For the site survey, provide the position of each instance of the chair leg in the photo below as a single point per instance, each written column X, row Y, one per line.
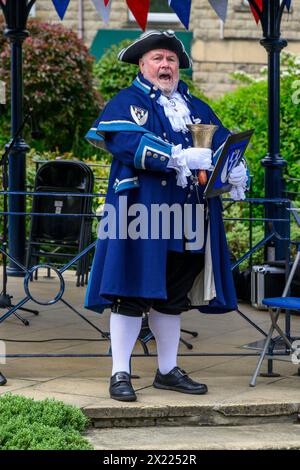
column 261, row 357
column 274, row 317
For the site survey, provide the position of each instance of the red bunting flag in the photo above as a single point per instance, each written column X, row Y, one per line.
column 106, row 2
column 139, row 9
column 259, row 4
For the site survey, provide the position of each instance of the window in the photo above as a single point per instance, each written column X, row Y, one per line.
column 159, row 12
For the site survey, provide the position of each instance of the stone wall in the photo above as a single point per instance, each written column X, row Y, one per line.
column 91, row 19
column 218, row 49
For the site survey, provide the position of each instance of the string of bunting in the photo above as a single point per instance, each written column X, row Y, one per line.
column 182, row 8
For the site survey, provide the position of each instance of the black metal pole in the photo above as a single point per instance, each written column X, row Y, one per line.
column 16, row 13
column 273, row 162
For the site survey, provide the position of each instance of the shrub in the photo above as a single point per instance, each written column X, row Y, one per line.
column 27, row 424
column 246, row 108
column 58, row 84
column 111, row 74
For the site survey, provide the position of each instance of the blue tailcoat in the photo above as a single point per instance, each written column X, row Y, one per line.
column 134, row 128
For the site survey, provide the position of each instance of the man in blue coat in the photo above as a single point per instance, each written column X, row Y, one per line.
column 161, row 246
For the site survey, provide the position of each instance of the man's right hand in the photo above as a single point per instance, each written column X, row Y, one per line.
column 185, row 160
column 198, row 158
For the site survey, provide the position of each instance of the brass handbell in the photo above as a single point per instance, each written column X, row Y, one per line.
column 202, row 135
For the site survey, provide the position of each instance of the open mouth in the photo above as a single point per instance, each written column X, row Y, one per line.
column 165, row 76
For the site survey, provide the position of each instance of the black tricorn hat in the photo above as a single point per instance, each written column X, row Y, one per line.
column 155, row 40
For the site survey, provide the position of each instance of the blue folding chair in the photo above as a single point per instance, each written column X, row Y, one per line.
column 278, row 303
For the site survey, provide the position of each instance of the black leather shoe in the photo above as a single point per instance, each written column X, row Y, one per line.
column 120, row 387
column 2, row 379
column 178, row 380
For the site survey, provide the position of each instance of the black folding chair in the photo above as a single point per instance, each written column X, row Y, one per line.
column 53, row 235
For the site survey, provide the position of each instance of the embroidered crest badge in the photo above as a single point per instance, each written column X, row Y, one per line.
column 139, row 115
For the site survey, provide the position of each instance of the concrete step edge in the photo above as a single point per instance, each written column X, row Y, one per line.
column 192, row 415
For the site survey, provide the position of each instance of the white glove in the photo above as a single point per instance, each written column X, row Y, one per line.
column 238, row 176
column 177, row 161
column 238, row 179
column 197, row 158
column 237, row 193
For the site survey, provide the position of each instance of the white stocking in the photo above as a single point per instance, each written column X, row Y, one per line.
column 166, row 330
column 124, row 331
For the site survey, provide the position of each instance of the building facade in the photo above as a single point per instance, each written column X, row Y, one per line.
column 217, row 49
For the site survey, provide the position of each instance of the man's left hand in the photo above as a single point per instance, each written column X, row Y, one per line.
column 238, row 179
column 238, row 176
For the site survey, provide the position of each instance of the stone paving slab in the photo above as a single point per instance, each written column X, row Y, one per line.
column 260, row 437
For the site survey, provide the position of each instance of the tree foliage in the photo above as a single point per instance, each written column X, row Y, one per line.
column 58, row 84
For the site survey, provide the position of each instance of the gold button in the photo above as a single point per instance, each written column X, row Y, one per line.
column 164, row 183
column 149, row 153
column 155, row 155
column 162, row 159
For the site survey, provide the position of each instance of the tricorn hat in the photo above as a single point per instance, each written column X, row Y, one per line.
column 155, row 40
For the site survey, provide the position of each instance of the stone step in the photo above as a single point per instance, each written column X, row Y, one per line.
column 141, row 415
column 252, row 437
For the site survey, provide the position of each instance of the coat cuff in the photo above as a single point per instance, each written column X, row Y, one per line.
column 152, row 153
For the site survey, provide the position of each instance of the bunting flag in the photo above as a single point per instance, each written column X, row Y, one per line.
column 139, row 9
column 220, row 7
column 287, row 4
column 182, row 8
column 259, row 5
column 103, row 9
column 61, row 7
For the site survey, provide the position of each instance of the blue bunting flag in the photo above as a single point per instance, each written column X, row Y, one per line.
column 61, row 7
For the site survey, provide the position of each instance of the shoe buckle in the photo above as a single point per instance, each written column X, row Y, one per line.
column 121, row 376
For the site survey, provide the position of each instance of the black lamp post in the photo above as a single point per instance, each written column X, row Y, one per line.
column 273, row 163
column 16, row 14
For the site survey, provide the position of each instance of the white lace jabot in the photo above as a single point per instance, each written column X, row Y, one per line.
column 176, row 111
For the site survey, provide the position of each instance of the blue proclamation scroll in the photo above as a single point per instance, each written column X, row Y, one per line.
column 225, row 159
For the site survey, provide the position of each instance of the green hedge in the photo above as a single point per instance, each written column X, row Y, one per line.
column 49, row 424
column 246, row 108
